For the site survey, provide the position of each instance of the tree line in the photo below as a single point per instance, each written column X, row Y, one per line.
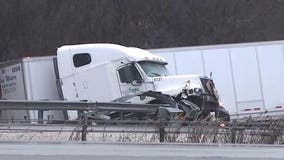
column 38, row 27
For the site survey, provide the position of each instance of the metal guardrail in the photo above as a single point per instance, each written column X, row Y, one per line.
column 84, row 106
column 272, row 129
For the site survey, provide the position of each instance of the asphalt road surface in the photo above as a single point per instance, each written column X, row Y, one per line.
column 123, row 151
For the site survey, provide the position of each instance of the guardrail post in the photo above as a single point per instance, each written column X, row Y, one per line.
column 84, row 128
column 241, row 134
column 234, row 132
column 162, row 117
column 274, row 135
column 40, row 116
column 162, row 132
column 233, row 135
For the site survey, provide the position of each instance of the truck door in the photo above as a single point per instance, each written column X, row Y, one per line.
column 130, row 80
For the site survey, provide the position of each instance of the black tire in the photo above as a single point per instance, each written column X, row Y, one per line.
column 222, row 114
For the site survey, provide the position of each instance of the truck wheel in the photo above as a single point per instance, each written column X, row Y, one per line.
column 221, row 114
column 191, row 110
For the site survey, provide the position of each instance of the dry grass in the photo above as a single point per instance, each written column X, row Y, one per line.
column 248, row 132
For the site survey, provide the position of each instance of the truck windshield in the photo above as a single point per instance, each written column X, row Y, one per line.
column 154, row 69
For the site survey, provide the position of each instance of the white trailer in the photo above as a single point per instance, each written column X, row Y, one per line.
column 30, row 78
column 248, row 76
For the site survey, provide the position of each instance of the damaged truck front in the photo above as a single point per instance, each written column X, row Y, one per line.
column 105, row 72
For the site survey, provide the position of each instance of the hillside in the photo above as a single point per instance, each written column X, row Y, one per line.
column 38, row 27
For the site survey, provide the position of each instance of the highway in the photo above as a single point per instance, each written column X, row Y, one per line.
column 130, row 151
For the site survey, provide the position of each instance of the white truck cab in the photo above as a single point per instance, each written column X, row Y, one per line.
column 103, row 72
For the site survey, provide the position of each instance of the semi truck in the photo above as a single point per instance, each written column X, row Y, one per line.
column 249, row 76
column 104, row 73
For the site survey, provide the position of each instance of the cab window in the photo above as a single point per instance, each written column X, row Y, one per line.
column 81, row 59
column 129, row 74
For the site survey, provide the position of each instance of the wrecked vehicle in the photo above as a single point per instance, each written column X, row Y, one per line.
column 195, row 103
